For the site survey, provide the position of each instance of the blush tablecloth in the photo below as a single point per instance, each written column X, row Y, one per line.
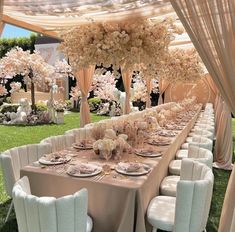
column 116, row 203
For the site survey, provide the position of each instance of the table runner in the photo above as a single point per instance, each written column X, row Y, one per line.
column 116, row 203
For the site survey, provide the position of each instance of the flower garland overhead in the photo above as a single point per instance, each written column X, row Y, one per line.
column 182, row 65
column 123, row 43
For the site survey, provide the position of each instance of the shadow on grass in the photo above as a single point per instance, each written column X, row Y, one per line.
column 11, row 224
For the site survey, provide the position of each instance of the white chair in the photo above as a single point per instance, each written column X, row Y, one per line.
column 199, row 154
column 199, row 141
column 199, row 132
column 16, row 158
column 59, row 142
column 48, row 214
column 204, row 127
column 188, row 211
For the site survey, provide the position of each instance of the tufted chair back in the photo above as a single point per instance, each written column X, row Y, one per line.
column 193, row 198
column 205, row 127
column 201, row 141
column 201, row 132
column 59, row 142
column 16, row 158
column 201, row 155
column 48, row 214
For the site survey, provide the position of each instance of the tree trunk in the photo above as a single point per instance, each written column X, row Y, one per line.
column 33, row 106
column 33, row 97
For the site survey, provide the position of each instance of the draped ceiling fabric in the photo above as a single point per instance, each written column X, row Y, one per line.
column 127, row 77
column 50, row 17
column 211, row 26
column 84, row 77
column 47, row 13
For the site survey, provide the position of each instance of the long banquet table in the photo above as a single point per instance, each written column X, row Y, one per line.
column 116, row 203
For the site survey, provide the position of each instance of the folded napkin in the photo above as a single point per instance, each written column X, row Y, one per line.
column 55, row 157
column 130, row 167
column 82, row 169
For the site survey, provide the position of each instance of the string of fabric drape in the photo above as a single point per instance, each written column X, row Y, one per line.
column 127, row 77
column 211, row 26
column 149, row 89
column 84, row 78
column 162, row 85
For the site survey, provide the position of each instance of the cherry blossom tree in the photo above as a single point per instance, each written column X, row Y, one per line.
column 33, row 68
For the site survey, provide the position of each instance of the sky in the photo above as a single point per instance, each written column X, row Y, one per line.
column 12, row 31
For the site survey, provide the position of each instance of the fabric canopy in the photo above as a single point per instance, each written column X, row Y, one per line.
column 52, row 16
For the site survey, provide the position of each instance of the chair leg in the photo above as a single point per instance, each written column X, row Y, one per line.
column 9, row 211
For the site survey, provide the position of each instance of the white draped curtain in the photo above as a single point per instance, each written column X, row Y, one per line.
column 211, row 27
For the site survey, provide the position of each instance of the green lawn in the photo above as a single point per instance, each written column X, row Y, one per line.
column 11, row 136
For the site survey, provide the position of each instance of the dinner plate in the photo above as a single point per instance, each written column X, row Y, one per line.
column 145, row 170
column 146, row 153
column 82, row 147
column 42, row 160
column 166, row 133
column 159, row 143
column 98, row 170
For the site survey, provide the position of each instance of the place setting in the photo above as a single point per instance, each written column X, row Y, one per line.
column 55, row 158
column 132, row 168
column 159, row 141
column 83, row 145
column 147, row 153
column 84, row 170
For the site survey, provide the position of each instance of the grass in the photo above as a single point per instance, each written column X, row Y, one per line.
column 11, row 136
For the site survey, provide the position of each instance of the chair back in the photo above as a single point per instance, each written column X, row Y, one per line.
column 16, row 158
column 48, row 214
column 193, row 197
column 59, row 142
column 201, row 155
column 201, row 141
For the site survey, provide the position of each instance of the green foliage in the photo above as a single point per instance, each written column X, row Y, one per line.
column 94, row 104
column 95, row 100
column 41, row 107
column 8, row 100
column 8, row 108
column 68, row 104
column 26, row 43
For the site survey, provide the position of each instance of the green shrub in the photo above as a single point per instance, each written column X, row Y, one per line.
column 8, row 100
column 95, row 100
column 41, row 107
column 26, row 43
column 68, row 104
column 8, row 108
column 94, row 104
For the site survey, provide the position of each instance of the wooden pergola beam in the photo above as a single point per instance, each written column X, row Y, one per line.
column 28, row 26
